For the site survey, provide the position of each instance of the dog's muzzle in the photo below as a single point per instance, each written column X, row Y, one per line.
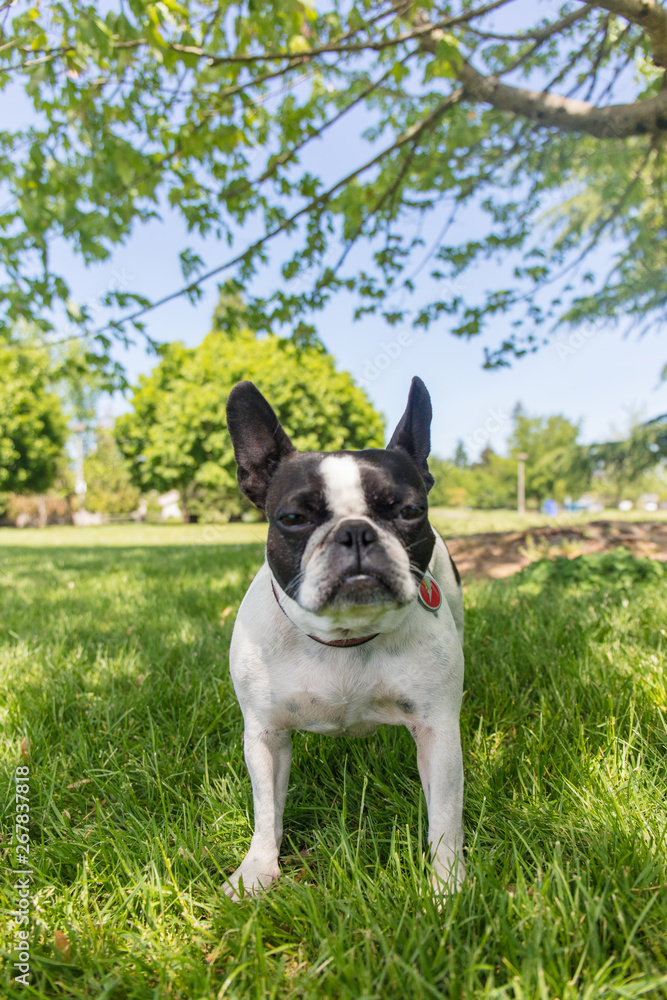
column 358, row 566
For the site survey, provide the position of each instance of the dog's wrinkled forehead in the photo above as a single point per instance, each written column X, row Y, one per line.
column 344, row 484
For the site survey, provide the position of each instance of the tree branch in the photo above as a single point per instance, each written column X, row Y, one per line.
column 409, row 136
column 650, row 16
column 567, row 114
column 315, row 133
column 616, row 121
column 338, row 49
column 335, row 48
column 389, row 192
column 597, row 61
column 539, row 34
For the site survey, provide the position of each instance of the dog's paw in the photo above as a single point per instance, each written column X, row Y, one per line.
column 447, row 878
column 250, row 878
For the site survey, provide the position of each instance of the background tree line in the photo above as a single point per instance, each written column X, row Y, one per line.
column 558, row 466
column 175, row 436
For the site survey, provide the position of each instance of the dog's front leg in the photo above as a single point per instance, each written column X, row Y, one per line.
column 268, row 754
column 441, row 771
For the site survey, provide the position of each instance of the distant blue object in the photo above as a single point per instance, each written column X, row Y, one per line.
column 550, row 507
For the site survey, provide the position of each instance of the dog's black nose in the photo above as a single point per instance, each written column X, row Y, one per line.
column 356, row 534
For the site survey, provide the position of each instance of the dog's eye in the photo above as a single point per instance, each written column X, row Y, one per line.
column 411, row 512
column 293, row 520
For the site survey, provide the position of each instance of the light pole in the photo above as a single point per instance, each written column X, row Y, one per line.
column 521, row 482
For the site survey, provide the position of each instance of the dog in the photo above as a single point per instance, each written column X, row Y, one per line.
column 355, row 619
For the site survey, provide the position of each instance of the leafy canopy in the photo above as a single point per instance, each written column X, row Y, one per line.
column 176, row 437
column 211, row 107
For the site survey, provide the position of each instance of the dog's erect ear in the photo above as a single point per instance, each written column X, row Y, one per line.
column 413, row 433
column 259, row 441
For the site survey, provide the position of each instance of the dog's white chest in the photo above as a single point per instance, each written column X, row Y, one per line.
column 286, row 680
column 339, row 709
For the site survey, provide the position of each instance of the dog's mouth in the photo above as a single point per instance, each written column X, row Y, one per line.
column 362, row 588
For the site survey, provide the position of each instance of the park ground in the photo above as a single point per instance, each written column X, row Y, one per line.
column 116, row 696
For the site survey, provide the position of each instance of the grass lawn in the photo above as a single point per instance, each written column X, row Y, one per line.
column 113, row 655
column 448, row 521
column 452, row 521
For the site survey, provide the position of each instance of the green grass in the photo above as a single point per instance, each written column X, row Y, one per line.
column 114, row 663
column 453, row 521
column 449, row 521
column 135, row 534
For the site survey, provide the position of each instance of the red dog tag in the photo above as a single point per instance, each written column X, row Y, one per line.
column 429, row 593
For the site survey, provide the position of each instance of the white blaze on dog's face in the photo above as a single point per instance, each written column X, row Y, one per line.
column 353, row 578
column 348, row 532
column 349, row 538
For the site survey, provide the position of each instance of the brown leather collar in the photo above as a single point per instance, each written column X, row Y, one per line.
column 335, row 642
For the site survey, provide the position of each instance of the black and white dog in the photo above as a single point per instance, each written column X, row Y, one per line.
column 354, row 620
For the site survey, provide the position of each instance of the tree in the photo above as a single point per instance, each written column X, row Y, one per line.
column 110, row 488
column 452, row 484
column 210, row 108
column 495, row 477
column 33, row 429
column 557, row 465
column 460, row 455
column 621, row 464
column 487, row 484
column 176, row 437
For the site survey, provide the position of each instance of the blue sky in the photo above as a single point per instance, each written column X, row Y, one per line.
column 600, row 379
